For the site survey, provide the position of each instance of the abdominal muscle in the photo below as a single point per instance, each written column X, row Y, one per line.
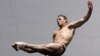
column 63, row 36
column 62, row 40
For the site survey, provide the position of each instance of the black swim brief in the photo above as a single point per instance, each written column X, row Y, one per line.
column 60, row 51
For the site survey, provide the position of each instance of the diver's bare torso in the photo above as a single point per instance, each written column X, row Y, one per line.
column 63, row 35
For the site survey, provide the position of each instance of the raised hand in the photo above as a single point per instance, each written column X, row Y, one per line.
column 90, row 4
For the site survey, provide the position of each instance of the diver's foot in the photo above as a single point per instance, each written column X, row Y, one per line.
column 17, row 45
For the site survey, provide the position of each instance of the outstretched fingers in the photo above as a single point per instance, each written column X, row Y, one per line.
column 90, row 4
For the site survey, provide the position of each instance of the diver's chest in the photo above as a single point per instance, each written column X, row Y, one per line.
column 66, row 32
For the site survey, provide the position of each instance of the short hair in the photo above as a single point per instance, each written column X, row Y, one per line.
column 63, row 16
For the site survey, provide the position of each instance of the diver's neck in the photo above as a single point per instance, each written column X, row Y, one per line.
column 62, row 26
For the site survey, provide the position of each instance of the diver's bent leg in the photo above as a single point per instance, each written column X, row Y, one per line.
column 43, row 48
column 22, row 46
column 47, row 49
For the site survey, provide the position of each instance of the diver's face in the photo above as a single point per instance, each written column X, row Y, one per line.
column 61, row 20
